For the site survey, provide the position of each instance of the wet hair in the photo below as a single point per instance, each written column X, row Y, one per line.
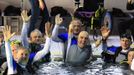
column 125, row 35
column 35, row 31
column 18, row 42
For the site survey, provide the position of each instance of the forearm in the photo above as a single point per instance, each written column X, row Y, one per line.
column 9, row 57
column 132, row 65
column 44, row 51
column 55, row 32
column 104, row 44
column 24, row 34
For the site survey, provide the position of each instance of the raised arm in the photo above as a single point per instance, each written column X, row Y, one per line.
column 40, row 54
column 105, row 34
column 130, row 5
column 58, row 21
column 41, row 4
column 25, row 27
column 9, row 56
column 132, row 65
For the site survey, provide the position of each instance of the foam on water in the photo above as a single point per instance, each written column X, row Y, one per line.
column 97, row 67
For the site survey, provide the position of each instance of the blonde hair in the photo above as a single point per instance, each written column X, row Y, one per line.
column 23, row 48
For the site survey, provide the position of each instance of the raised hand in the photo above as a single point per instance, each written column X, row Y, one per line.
column 48, row 29
column 41, row 5
column 70, row 31
column 58, row 19
column 129, row 1
column 24, row 16
column 7, row 33
column 105, row 31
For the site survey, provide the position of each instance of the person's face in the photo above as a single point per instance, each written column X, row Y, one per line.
column 83, row 39
column 125, row 43
column 35, row 38
column 130, row 56
column 14, row 49
column 76, row 27
column 22, row 56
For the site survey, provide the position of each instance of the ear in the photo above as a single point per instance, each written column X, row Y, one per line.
column 29, row 40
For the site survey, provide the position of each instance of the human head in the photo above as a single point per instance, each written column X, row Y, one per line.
column 35, row 36
column 14, row 46
column 130, row 56
column 22, row 55
column 83, row 39
column 125, row 41
column 76, row 26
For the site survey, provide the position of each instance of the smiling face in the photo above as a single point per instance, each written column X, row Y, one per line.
column 35, row 36
column 76, row 26
column 15, row 44
column 83, row 39
column 22, row 55
column 14, row 48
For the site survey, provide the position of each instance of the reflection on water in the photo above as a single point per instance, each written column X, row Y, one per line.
column 97, row 67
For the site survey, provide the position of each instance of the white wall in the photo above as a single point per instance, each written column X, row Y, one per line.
column 67, row 4
column 121, row 4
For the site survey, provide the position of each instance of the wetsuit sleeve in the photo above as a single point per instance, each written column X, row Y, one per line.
column 40, row 54
column 24, row 35
column 55, row 32
column 9, row 57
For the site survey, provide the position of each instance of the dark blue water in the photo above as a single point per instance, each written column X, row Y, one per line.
column 97, row 67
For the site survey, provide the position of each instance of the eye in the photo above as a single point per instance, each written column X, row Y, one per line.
column 26, row 54
column 21, row 54
column 13, row 50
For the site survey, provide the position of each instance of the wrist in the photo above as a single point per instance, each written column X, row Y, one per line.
column 104, row 39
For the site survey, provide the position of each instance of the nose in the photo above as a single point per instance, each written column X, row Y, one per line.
column 84, row 40
column 24, row 55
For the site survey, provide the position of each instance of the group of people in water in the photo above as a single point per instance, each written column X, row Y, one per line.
column 73, row 48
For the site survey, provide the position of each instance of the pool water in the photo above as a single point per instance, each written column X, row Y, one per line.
column 97, row 67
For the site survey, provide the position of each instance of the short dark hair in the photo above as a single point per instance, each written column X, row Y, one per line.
column 125, row 35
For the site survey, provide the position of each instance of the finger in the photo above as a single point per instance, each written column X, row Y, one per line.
column 29, row 17
column 6, row 27
column 61, row 19
column 3, row 31
column 51, row 26
column 9, row 28
column 12, row 34
column 57, row 16
column 25, row 11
